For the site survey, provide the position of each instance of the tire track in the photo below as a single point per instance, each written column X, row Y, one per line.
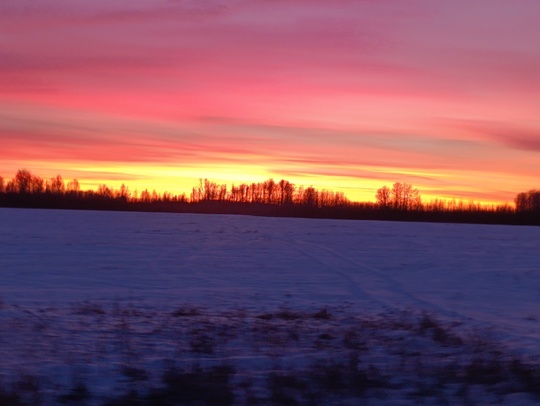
column 366, row 282
column 353, row 287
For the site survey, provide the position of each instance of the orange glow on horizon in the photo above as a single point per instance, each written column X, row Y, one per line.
column 178, row 180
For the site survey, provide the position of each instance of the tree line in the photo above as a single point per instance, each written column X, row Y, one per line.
column 528, row 201
column 401, row 201
column 269, row 192
column 282, row 193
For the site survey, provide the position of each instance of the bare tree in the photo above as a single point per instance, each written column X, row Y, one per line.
column 243, row 191
column 397, row 196
column 222, row 194
column 145, row 196
column 286, row 192
column 123, row 192
column 299, row 195
column 310, row 197
column 269, row 188
column 405, row 197
column 329, row 198
column 256, row 193
column 521, row 202
column 383, row 197
column 105, row 191
column 411, row 198
column 38, row 184
column 529, row 201
column 23, row 181
column 73, row 187
column 402, row 196
column 56, row 185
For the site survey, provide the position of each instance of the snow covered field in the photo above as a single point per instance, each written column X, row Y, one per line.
column 97, row 305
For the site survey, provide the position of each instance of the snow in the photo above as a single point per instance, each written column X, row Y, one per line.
column 71, row 278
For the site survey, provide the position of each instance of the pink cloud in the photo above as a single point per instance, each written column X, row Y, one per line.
column 520, row 137
column 299, row 86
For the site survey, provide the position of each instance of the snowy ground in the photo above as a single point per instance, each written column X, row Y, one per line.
column 95, row 305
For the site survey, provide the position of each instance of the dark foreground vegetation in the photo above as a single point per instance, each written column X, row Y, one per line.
column 136, row 355
column 401, row 202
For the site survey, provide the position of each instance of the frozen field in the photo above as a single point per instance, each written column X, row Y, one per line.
column 96, row 304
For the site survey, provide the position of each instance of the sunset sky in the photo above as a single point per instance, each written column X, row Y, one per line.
column 346, row 95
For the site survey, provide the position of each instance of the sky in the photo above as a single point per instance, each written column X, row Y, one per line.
column 343, row 95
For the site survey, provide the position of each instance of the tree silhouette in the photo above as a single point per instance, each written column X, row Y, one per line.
column 402, row 196
column 402, row 201
column 73, row 187
column 311, row 197
column 145, row 196
column 528, row 201
column 23, row 181
column 286, row 192
column 104, row 191
column 123, row 193
column 55, row 185
column 405, row 197
column 269, row 188
column 383, row 197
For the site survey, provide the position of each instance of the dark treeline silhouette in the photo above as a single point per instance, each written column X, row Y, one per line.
column 401, row 202
column 269, row 192
column 528, row 202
